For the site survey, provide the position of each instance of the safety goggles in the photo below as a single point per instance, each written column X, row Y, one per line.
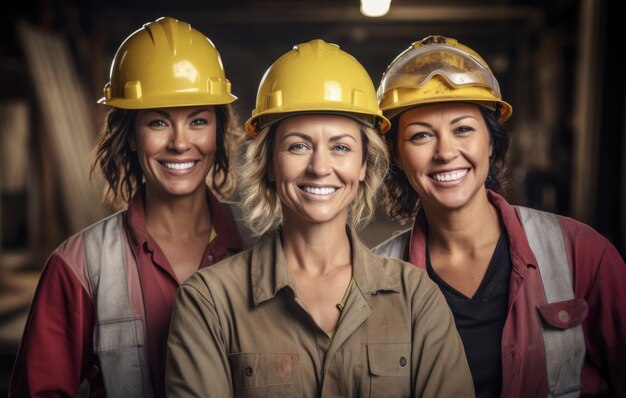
column 416, row 66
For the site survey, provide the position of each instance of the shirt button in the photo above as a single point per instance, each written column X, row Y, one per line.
column 248, row 371
column 402, row 361
column 209, row 257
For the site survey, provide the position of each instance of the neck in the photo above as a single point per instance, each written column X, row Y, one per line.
column 178, row 216
column 463, row 230
column 315, row 248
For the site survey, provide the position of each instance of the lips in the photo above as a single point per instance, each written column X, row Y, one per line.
column 449, row 176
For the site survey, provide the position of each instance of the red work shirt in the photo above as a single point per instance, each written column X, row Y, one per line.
column 599, row 277
column 56, row 351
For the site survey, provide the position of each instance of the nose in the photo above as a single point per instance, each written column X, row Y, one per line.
column 446, row 149
column 179, row 141
column 319, row 163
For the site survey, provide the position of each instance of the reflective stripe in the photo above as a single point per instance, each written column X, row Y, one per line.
column 565, row 349
column 394, row 247
column 118, row 334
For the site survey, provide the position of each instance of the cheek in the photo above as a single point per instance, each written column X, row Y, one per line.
column 410, row 160
column 208, row 143
column 148, row 144
column 283, row 168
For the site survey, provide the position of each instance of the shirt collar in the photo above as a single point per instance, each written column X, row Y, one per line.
column 518, row 244
column 269, row 271
column 224, row 223
column 221, row 219
column 136, row 218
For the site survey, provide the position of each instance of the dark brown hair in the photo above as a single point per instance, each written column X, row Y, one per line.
column 120, row 167
column 400, row 199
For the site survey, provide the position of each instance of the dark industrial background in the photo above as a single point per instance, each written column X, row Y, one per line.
column 557, row 61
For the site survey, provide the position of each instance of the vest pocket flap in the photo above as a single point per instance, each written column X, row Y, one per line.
column 564, row 314
column 389, row 359
column 251, row 370
column 115, row 334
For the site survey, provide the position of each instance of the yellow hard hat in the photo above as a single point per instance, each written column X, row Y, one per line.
column 166, row 63
column 438, row 69
column 316, row 77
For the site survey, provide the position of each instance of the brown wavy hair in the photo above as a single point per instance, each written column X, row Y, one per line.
column 119, row 165
column 400, row 199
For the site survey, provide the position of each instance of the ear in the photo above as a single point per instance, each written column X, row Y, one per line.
column 490, row 148
column 363, row 171
column 132, row 144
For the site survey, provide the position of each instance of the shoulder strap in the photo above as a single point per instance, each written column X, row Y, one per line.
column 118, row 334
column 565, row 348
column 394, row 247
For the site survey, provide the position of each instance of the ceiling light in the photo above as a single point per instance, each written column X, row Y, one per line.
column 375, row 8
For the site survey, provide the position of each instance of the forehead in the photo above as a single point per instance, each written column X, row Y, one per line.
column 319, row 123
column 179, row 111
column 442, row 110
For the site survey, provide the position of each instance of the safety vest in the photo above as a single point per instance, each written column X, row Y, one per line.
column 564, row 348
column 119, row 334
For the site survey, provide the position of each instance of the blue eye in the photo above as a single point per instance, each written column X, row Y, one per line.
column 298, row 147
column 342, row 148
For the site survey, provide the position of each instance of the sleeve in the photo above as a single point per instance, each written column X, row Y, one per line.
column 197, row 363
column 438, row 354
column 605, row 327
column 56, row 349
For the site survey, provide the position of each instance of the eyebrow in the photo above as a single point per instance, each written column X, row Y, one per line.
column 167, row 115
column 461, row 118
column 455, row 120
column 308, row 138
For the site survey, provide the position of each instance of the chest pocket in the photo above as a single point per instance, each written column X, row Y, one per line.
column 563, row 314
column 264, row 375
column 390, row 369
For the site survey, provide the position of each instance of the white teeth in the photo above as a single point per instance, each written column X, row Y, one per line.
column 178, row 166
column 319, row 191
column 453, row 176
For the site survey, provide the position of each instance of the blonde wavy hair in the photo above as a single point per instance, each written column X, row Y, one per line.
column 261, row 207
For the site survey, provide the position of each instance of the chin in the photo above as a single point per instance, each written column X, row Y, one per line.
column 183, row 190
column 454, row 201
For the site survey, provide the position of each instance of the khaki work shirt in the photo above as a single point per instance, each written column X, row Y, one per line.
column 239, row 330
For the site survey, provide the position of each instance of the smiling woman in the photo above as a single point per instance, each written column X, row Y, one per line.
column 176, row 148
column 318, row 167
column 309, row 311
column 102, row 307
column 537, row 298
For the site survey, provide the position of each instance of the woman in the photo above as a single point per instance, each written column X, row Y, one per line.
column 102, row 308
column 531, row 292
column 309, row 311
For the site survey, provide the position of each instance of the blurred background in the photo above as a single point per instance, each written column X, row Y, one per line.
column 558, row 63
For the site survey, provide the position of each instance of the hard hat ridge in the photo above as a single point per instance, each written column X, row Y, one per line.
column 166, row 63
column 316, row 77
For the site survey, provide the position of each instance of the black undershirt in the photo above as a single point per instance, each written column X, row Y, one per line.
column 480, row 319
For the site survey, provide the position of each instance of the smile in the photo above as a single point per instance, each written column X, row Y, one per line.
column 319, row 190
column 178, row 166
column 449, row 176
